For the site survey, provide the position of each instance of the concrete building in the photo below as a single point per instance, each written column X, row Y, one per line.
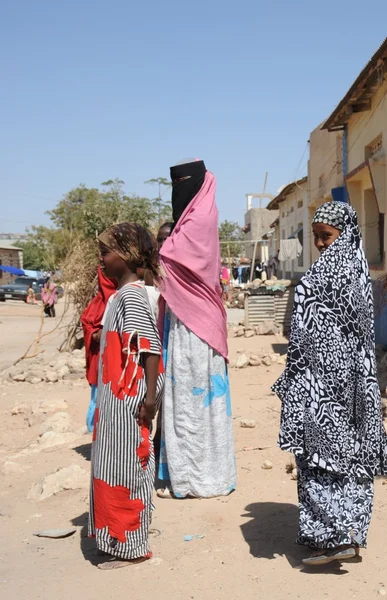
column 11, row 257
column 361, row 116
column 325, row 173
column 257, row 223
column 292, row 204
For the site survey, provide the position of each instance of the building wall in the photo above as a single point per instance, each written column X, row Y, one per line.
column 325, row 171
column 367, row 176
column 259, row 220
column 293, row 214
column 11, row 257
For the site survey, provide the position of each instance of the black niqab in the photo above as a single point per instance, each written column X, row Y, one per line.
column 185, row 190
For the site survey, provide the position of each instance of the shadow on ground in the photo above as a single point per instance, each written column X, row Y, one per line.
column 280, row 348
column 84, row 450
column 271, row 531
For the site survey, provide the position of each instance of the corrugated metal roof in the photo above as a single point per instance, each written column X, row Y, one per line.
column 9, row 245
column 273, row 205
column 360, row 90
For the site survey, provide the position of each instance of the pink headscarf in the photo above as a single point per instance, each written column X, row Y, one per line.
column 190, row 263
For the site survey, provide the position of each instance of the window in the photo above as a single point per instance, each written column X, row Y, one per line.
column 374, row 147
column 300, row 204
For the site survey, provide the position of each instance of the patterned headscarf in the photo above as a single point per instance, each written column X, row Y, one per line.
column 133, row 243
column 331, row 213
column 331, row 405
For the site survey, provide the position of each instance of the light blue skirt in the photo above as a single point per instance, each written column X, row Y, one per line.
column 91, row 409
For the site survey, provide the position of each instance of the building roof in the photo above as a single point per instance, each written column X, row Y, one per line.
column 9, row 245
column 285, row 192
column 358, row 97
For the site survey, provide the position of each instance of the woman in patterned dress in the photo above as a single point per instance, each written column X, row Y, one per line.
column 197, row 449
column 130, row 384
column 331, row 407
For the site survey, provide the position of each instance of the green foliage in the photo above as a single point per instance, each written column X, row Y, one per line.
column 82, row 214
column 230, row 232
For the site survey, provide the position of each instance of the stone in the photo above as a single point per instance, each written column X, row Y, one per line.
column 51, row 376
column 241, row 351
column 239, row 331
column 242, row 361
column 53, row 438
column 67, row 478
column 78, row 353
column 19, row 377
column 20, row 409
column 50, row 406
column 63, row 371
column 11, row 468
column 14, row 370
column 267, row 465
column 275, row 357
column 268, row 328
column 38, row 373
column 249, row 333
column 33, row 380
column 255, row 361
column 247, row 423
column 282, row 360
column 294, row 474
column 59, row 422
column 266, row 361
column 232, row 364
column 382, row 592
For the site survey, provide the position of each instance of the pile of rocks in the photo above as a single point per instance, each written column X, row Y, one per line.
column 260, row 358
column 67, row 366
column 265, row 328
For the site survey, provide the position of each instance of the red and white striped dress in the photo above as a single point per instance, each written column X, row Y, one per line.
column 123, row 464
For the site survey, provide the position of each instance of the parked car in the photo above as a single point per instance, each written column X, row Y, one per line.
column 18, row 290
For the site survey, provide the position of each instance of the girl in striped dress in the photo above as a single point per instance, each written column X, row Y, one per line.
column 131, row 379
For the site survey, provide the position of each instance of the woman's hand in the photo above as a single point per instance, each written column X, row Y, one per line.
column 97, row 336
column 147, row 413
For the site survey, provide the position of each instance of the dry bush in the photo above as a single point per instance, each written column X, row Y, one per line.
column 79, row 276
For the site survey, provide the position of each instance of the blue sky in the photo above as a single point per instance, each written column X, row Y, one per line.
column 92, row 90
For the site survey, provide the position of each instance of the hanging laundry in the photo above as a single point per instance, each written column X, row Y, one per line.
column 290, row 249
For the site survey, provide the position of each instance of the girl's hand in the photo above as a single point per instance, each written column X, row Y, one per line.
column 97, row 336
column 147, row 413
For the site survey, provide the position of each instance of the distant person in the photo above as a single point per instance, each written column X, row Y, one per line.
column 49, row 297
column 164, row 233
column 130, row 385
column 31, row 298
column 331, row 417
column 197, row 450
column 91, row 320
column 225, row 281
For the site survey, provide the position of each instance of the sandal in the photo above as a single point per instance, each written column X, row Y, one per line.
column 327, row 556
column 164, row 493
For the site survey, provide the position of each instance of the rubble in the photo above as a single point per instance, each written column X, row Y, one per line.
column 68, row 478
column 247, row 423
column 67, row 365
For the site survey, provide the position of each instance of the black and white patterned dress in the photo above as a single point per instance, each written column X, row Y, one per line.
column 331, row 407
column 123, row 464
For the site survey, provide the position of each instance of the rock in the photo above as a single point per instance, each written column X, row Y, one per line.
column 382, row 592
column 275, row 357
column 33, row 380
column 232, row 364
column 242, row 361
column 68, row 478
column 78, row 353
column 267, row 465
column 282, row 360
column 59, row 423
column 249, row 333
column 51, row 376
column 247, row 423
column 15, row 370
column 50, row 406
column 255, row 361
column 239, row 331
column 52, row 438
column 20, row 409
column 77, row 366
column 268, row 328
column 38, row 373
column 294, row 474
column 11, row 468
column 63, row 371
column 241, row 351
column 266, row 361
column 19, row 377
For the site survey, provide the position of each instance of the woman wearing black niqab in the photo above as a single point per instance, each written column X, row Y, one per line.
column 187, row 180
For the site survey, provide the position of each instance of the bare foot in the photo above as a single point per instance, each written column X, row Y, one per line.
column 116, row 563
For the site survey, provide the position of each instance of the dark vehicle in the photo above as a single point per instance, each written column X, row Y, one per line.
column 18, row 290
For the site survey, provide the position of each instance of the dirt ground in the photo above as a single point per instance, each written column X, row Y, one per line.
column 248, row 548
